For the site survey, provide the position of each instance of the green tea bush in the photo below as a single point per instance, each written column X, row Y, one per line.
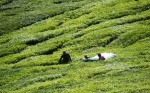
column 7, row 49
column 30, row 17
column 5, row 2
column 35, row 32
column 135, row 35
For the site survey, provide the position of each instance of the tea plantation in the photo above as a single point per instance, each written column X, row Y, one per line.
column 33, row 34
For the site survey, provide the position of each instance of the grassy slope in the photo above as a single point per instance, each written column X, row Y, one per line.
column 34, row 34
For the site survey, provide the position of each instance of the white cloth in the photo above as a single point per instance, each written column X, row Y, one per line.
column 105, row 55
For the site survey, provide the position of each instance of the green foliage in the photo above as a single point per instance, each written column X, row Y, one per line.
column 28, row 13
column 33, row 34
column 9, row 48
column 132, row 36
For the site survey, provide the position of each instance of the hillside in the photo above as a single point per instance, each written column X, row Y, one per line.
column 33, row 34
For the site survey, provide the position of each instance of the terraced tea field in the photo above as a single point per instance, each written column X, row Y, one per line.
column 33, row 34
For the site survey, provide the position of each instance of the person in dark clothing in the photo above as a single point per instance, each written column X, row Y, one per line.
column 65, row 58
column 86, row 58
column 100, row 56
